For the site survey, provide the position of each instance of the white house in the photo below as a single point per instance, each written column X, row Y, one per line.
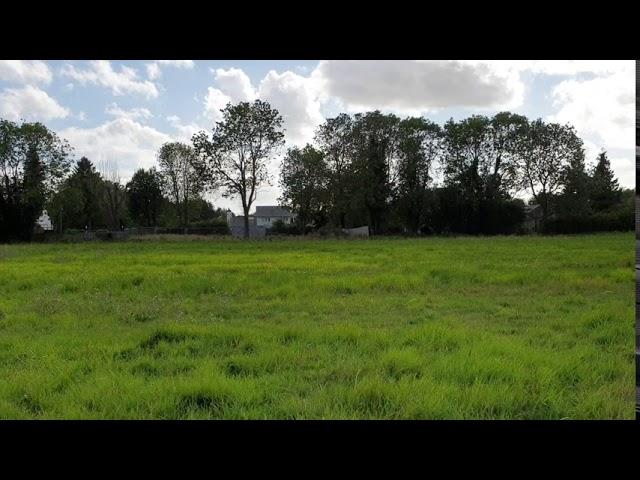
column 263, row 218
column 44, row 221
column 266, row 216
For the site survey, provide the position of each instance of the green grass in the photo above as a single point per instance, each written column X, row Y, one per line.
column 504, row 327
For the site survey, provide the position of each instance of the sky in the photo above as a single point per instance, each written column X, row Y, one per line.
column 121, row 112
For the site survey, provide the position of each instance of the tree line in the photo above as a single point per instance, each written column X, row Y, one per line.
column 410, row 175
column 396, row 175
column 37, row 174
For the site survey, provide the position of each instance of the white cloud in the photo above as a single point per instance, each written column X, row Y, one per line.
column 100, row 72
column 624, row 168
column 30, row 103
column 135, row 113
column 25, row 71
column 154, row 72
column 297, row 100
column 184, row 131
column 188, row 64
column 235, row 84
column 214, row 102
column 410, row 86
column 571, row 67
column 602, row 108
column 294, row 96
column 121, row 141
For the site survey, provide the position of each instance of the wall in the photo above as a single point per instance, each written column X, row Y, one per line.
column 254, row 231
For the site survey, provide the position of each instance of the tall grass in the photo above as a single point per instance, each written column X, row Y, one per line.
column 522, row 327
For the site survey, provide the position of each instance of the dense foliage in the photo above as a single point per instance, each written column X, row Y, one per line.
column 33, row 161
column 412, row 176
column 395, row 175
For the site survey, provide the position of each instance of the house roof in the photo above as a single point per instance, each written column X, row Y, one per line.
column 272, row 211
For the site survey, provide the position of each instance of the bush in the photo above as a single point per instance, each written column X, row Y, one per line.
column 621, row 219
column 214, row 226
column 450, row 213
column 280, row 228
column 330, row 231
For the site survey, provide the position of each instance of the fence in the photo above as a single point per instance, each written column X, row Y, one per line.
column 93, row 235
column 176, row 231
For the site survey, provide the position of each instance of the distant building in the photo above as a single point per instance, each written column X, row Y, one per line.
column 44, row 222
column 236, row 226
column 266, row 216
column 263, row 219
column 533, row 218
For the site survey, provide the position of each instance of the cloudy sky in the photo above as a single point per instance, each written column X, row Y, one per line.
column 122, row 111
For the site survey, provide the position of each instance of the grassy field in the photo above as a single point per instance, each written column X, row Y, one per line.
column 521, row 327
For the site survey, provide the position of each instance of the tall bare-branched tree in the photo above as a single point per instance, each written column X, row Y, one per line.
column 238, row 153
column 114, row 194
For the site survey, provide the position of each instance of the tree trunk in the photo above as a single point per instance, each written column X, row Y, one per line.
column 246, row 222
column 302, row 222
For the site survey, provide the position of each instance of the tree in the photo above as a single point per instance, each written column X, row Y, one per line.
column 544, row 153
column 183, row 176
column 206, row 215
column 335, row 141
column 419, row 146
column 86, row 179
column 144, row 193
column 34, row 195
column 605, row 190
column 468, row 161
column 66, row 209
column 506, row 131
column 304, row 179
column 374, row 140
column 574, row 199
column 33, row 161
column 238, row 153
column 113, row 196
column 79, row 201
column 480, row 165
